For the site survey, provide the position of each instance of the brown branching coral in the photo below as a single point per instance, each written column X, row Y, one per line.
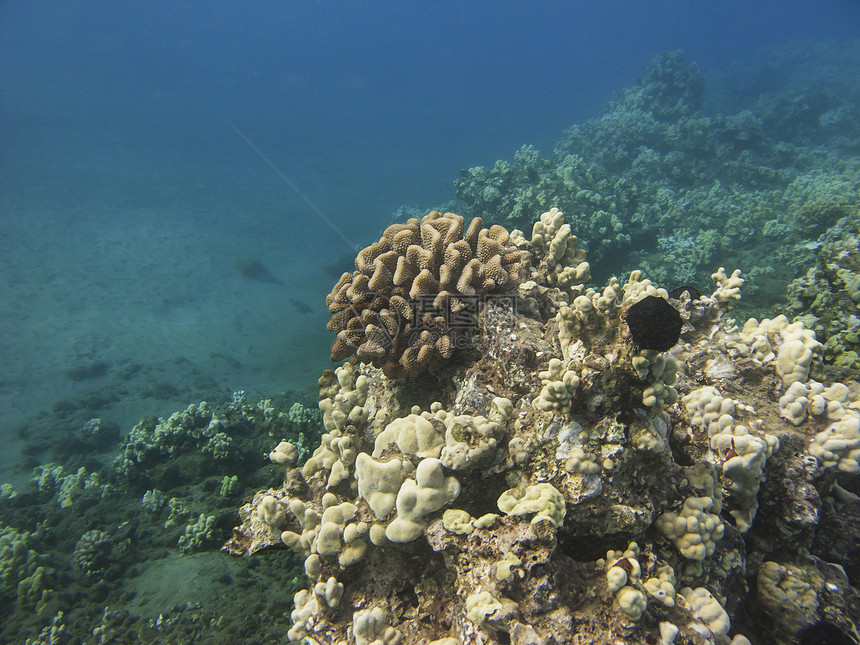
column 413, row 292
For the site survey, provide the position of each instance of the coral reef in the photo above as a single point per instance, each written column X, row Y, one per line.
column 658, row 184
column 98, row 433
column 197, row 534
column 18, row 559
column 471, row 514
column 556, row 253
column 413, row 293
column 827, row 299
column 93, row 551
column 555, row 477
column 70, row 535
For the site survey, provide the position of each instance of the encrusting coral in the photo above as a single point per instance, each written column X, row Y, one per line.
column 480, row 512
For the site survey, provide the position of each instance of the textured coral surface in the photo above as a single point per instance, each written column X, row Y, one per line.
column 564, row 485
column 398, row 310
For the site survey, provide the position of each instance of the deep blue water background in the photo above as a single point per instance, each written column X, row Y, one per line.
column 371, row 104
column 126, row 197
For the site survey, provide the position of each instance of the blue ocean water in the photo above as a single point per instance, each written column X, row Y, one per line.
column 130, row 198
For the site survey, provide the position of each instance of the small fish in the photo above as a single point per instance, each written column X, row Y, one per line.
column 89, row 371
column 253, row 269
column 301, row 307
column 232, row 362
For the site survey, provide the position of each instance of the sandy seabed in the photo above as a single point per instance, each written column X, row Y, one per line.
column 119, row 307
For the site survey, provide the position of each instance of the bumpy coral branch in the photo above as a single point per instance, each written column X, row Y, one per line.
column 417, row 290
